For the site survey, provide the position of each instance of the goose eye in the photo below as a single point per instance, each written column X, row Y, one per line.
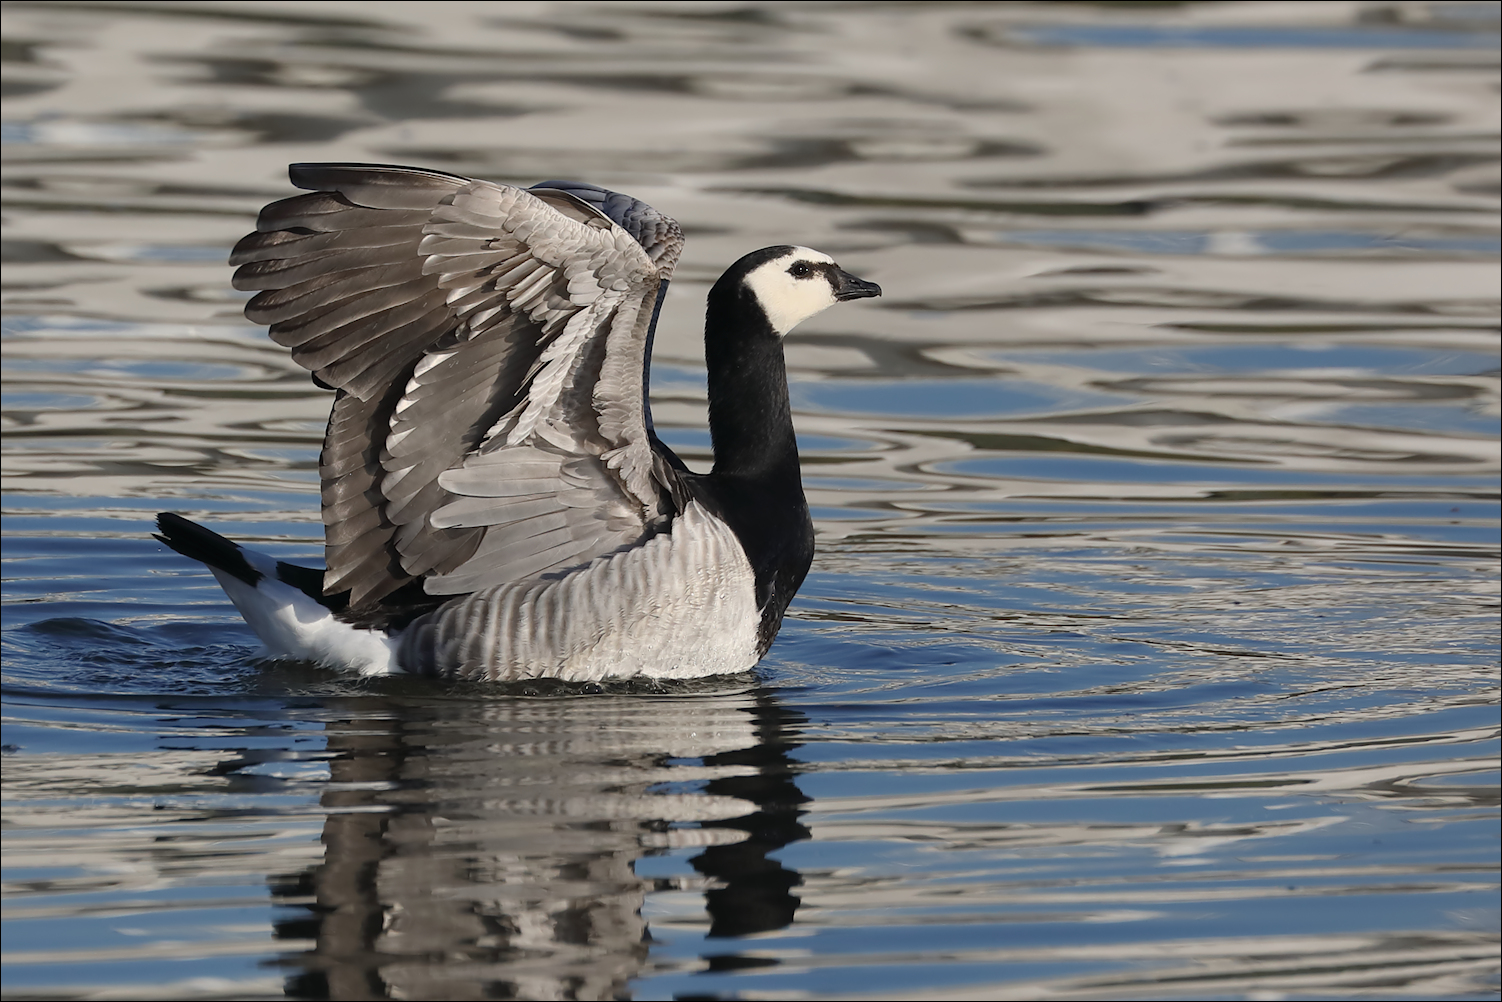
column 800, row 270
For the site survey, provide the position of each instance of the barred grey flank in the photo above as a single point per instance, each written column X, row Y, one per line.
column 680, row 605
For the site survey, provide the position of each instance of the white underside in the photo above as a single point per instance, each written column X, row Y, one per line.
column 681, row 605
column 292, row 626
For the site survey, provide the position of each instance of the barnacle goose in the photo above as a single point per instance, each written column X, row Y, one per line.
column 496, row 504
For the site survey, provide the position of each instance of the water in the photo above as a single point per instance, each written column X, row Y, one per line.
column 1150, row 649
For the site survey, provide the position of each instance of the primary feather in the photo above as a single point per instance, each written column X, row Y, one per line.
column 479, row 336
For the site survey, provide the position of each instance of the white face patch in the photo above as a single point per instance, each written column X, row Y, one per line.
column 793, row 287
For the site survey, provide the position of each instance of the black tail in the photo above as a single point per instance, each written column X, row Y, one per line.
column 208, row 547
column 197, row 543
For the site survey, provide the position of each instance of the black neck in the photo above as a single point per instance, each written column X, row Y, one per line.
column 750, row 420
column 755, row 486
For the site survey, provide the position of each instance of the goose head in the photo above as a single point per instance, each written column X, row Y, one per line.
column 791, row 284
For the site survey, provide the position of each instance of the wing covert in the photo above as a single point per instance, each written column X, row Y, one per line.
column 487, row 344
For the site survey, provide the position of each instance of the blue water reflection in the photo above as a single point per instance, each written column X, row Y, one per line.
column 1150, row 648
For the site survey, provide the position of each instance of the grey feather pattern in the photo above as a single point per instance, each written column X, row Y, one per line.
column 357, row 535
column 680, row 605
column 487, row 344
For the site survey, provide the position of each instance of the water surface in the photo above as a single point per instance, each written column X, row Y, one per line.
column 1150, row 648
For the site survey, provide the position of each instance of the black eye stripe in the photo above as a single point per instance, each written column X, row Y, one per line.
column 808, row 269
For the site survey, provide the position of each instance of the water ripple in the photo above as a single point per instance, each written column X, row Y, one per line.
column 1150, row 648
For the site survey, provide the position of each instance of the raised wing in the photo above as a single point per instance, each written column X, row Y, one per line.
column 487, row 345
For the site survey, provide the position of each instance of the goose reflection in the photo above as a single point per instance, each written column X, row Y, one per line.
column 487, row 849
